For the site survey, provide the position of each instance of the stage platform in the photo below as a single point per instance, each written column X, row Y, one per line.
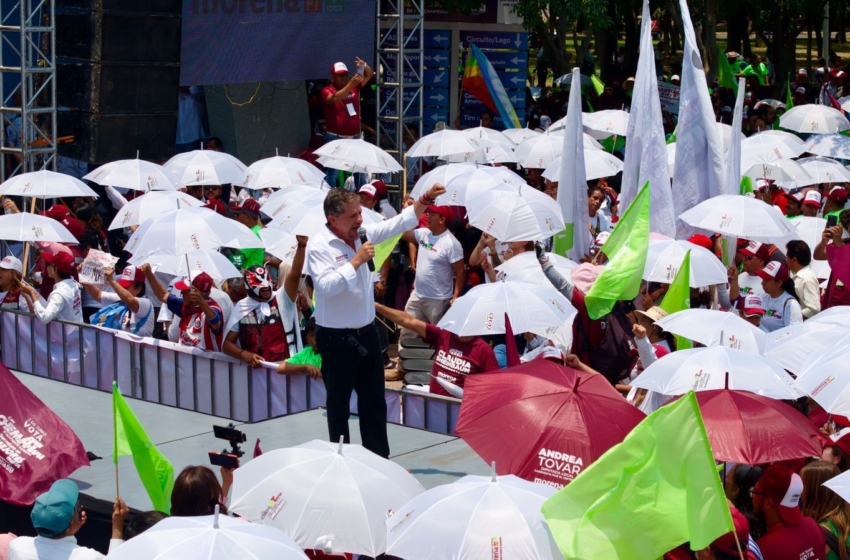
column 185, row 437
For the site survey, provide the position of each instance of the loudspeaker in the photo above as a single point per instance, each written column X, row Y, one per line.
column 118, row 76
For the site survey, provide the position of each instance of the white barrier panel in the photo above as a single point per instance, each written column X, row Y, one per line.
column 430, row 412
column 160, row 371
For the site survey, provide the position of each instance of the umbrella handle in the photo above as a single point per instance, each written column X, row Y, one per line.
column 27, row 244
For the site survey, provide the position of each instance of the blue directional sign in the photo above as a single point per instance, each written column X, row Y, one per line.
column 432, row 116
column 433, row 59
column 513, row 80
column 495, row 40
column 517, row 100
column 470, row 119
column 436, row 98
column 434, row 38
column 436, row 78
column 508, row 60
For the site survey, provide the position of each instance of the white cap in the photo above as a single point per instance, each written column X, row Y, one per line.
column 339, row 68
column 675, row 77
column 795, row 490
column 369, row 190
column 812, row 197
column 12, row 263
column 552, row 353
column 761, row 184
column 601, row 238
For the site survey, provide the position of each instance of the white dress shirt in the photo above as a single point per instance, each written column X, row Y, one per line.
column 807, row 286
column 64, row 303
column 345, row 297
column 42, row 548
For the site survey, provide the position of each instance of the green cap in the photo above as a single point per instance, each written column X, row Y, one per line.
column 54, row 510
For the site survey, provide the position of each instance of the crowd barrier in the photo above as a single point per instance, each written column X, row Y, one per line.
column 165, row 373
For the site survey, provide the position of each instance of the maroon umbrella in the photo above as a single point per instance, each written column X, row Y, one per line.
column 747, row 428
column 542, row 421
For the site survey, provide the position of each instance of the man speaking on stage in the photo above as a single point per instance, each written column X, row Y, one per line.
column 339, row 261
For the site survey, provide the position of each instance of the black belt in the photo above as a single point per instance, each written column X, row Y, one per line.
column 358, row 331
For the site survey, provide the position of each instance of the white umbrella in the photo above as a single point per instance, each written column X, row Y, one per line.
column 150, row 205
column 276, row 172
column 775, row 103
column 519, row 135
column 279, row 243
column 766, row 149
column 529, row 307
column 442, row 175
column 485, row 152
column 810, row 230
column 781, row 171
column 567, row 79
column 477, row 517
column 665, row 256
column 359, row 153
column 597, row 164
column 556, row 131
column 792, row 346
column 610, row 122
column 740, row 216
column 475, row 181
column 308, row 218
column 838, row 315
column 540, row 151
column 318, row 488
column 718, row 367
column 287, row 203
column 790, row 136
column 828, row 145
column 182, row 231
column 514, row 213
column 524, row 262
column 826, row 378
column 207, row 167
column 715, row 328
column 840, row 484
column 488, row 134
column 135, row 174
column 207, row 537
column 814, row 119
column 45, row 184
column 441, row 143
column 825, row 170
column 212, row 262
column 32, row 228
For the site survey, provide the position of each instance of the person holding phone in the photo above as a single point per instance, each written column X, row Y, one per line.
column 341, row 101
column 832, row 241
column 11, row 270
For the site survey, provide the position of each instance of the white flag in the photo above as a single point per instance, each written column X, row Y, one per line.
column 698, row 172
column 574, row 242
column 646, row 150
column 733, row 157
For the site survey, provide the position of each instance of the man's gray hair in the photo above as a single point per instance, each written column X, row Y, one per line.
column 337, row 199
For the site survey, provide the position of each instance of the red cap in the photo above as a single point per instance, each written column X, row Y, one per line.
column 702, row 240
column 130, row 276
column 202, row 281
column 752, row 305
column 249, row 206
column 726, row 543
column 758, row 250
column 64, row 262
column 369, row 190
column 216, row 206
column 57, row 212
column 380, row 187
column 339, row 68
column 73, row 225
column 838, row 194
column 660, row 351
column 443, row 211
column 774, row 271
column 784, row 487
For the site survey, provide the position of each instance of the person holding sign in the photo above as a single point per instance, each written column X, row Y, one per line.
column 342, row 104
column 64, row 301
column 126, row 309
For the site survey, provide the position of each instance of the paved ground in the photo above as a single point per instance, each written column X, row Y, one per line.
column 186, row 437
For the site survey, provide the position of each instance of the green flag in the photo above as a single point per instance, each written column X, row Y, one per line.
column 678, row 297
column 645, row 496
column 384, row 249
column 672, row 136
column 789, row 101
column 725, row 74
column 626, row 249
column 130, row 438
column 746, row 185
column 598, row 85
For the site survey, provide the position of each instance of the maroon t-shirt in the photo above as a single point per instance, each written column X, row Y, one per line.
column 803, row 541
column 454, row 360
column 337, row 118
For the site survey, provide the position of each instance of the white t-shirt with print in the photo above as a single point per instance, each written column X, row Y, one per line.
column 132, row 319
column 434, row 258
column 780, row 312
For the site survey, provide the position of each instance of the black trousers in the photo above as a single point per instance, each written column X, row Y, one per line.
column 351, row 361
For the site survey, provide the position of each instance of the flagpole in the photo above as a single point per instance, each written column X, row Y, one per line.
column 27, row 244
column 115, row 438
column 738, row 544
column 404, row 180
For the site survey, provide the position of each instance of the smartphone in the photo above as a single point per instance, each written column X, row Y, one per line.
column 225, row 460
column 361, row 70
column 831, row 221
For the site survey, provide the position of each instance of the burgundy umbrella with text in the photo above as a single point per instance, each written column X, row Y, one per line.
column 542, row 421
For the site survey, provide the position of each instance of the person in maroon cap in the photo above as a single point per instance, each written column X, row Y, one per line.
column 212, row 194
column 134, row 311
column 200, row 316
column 64, row 301
column 439, row 268
column 790, row 535
column 755, row 256
column 342, row 104
column 781, row 307
column 248, row 214
column 835, row 200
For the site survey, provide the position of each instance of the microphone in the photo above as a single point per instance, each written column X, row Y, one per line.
column 362, row 233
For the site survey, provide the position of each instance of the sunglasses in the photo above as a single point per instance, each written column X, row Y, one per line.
column 754, row 493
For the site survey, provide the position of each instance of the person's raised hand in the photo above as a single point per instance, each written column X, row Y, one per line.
column 227, row 475
column 10, row 207
column 834, row 233
column 639, row 331
column 109, row 273
column 119, row 514
column 572, row 361
column 356, row 80
column 144, row 268
column 436, row 190
column 365, row 253
column 313, row 371
column 195, row 296
column 302, row 240
column 489, row 240
column 732, row 272
column 380, row 289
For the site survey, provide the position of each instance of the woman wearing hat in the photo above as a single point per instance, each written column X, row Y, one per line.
column 781, row 307
column 64, row 301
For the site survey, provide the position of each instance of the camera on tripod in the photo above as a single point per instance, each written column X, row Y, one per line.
column 228, row 458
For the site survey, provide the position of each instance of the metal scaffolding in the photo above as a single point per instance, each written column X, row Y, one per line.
column 27, row 86
column 400, row 40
